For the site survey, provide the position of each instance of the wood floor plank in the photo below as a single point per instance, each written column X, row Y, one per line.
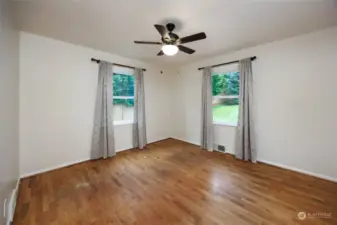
column 173, row 182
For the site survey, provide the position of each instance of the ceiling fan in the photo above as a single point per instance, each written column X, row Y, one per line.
column 171, row 43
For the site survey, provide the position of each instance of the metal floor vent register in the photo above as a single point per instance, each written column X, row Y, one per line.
column 219, row 148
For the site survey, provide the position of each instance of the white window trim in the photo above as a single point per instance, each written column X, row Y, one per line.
column 226, row 96
column 123, row 97
column 122, row 122
column 123, row 70
column 222, row 123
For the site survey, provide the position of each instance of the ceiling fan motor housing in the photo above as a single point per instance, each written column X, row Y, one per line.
column 172, row 39
column 170, row 27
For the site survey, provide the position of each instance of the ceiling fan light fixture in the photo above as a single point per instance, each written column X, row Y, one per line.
column 171, row 43
column 170, row 49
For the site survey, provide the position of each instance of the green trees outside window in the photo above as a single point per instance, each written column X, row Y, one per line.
column 123, row 97
column 225, row 90
column 123, row 86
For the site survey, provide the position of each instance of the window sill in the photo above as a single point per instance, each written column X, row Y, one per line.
column 122, row 122
column 225, row 124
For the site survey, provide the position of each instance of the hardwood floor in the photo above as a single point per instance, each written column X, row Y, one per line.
column 173, row 183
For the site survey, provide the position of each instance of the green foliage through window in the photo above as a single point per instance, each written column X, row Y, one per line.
column 225, row 91
column 225, row 83
column 123, row 86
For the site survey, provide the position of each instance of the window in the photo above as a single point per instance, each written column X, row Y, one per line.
column 123, row 98
column 225, row 90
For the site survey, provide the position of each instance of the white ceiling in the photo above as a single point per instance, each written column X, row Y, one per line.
column 113, row 25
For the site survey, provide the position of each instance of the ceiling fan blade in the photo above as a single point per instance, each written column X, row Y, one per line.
column 194, row 37
column 162, row 31
column 160, row 53
column 185, row 49
column 148, row 42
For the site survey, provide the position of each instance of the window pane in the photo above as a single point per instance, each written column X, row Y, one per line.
column 123, row 97
column 123, row 85
column 226, row 110
column 225, row 90
column 123, row 109
column 226, row 83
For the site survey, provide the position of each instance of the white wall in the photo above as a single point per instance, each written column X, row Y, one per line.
column 57, row 96
column 295, row 97
column 9, row 101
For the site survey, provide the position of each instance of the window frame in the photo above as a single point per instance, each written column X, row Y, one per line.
column 123, row 122
column 214, row 73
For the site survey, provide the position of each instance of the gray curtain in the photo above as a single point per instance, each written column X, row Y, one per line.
column 103, row 144
column 206, row 113
column 245, row 138
column 139, row 125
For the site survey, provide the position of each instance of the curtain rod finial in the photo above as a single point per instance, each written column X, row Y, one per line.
column 95, row 60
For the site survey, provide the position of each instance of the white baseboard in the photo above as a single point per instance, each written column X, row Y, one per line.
column 70, row 163
column 194, row 143
column 191, row 142
column 298, row 170
column 12, row 203
column 161, row 139
column 53, row 168
column 131, row 147
column 333, row 179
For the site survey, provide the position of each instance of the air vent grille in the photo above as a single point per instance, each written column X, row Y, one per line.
column 221, row 148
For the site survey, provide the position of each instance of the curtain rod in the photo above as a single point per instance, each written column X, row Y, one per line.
column 116, row 64
column 227, row 63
